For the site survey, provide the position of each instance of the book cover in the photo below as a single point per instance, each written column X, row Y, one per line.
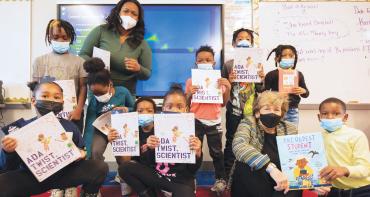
column 173, row 131
column 103, row 122
column 209, row 90
column 247, row 63
column 127, row 125
column 69, row 97
column 45, row 147
column 302, row 156
column 288, row 79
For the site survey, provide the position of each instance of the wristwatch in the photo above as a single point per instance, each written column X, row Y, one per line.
column 270, row 167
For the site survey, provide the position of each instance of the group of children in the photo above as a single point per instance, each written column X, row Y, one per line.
column 347, row 149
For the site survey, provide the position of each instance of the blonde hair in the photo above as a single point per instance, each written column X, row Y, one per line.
column 271, row 98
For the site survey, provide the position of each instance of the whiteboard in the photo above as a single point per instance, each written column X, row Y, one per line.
column 333, row 43
column 15, row 50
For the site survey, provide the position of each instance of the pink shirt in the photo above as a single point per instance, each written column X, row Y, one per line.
column 206, row 111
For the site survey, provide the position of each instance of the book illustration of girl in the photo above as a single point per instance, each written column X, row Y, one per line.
column 249, row 63
column 207, row 80
column 176, row 133
column 126, row 130
column 45, row 141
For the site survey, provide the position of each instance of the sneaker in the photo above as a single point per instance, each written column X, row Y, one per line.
column 117, row 178
column 70, row 192
column 56, row 193
column 219, row 186
column 125, row 189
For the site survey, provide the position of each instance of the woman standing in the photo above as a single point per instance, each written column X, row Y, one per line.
column 123, row 37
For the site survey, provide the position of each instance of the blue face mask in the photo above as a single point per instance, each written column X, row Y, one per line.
column 60, row 47
column 145, row 119
column 286, row 63
column 205, row 66
column 244, row 44
column 331, row 125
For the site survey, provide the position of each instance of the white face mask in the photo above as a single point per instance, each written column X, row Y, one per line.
column 205, row 66
column 105, row 97
column 128, row 22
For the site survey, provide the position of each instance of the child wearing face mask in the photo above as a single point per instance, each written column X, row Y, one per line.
column 106, row 97
column 60, row 64
column 286, row 57
column 17, row 180
column 178, row 178
column 242, row 95
column 208, row 116
column 146, row 108
column 347, row 151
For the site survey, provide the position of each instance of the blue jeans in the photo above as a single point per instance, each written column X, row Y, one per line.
column 292, row 115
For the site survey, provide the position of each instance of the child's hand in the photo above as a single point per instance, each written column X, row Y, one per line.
column 261, row 72
column 298, row 90
column 322, row 191
column 232, row 76
column 152, row 142
column 330, row 173
column 112, row 134
column 196, row 145
column 224, row 82
column 132, row 64
column 124, row 109
column 193, row 89
column 83, row 155
column 9, row 144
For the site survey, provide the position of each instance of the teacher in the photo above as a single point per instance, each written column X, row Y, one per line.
column 257, row 171
column 123, row 37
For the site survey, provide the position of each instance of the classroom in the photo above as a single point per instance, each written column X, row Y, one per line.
column 185, row 98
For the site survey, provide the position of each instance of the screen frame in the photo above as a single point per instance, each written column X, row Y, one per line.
column 220, row 6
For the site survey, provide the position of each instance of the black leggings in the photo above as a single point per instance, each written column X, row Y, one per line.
column 141, row 178
column 255, row 183
column 20, row 183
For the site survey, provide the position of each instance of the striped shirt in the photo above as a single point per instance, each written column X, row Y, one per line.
column 249, row 138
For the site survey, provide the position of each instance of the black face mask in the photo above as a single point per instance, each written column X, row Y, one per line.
column 270, row 120
column 44, row 107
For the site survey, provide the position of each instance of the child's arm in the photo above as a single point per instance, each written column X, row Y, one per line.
column 226, row 87
column 267, row 82
column 196, row 145
column 76, row 114
column 10, row 159
column 361, row 163
column 302, row 89
column 189, row 91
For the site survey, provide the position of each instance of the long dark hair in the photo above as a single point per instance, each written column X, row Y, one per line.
column 114, row 23
column 279, row 52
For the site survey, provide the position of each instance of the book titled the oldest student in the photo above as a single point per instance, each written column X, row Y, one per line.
column 302, row 156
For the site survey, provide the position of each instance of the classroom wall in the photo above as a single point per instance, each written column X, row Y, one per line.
column 44, row 10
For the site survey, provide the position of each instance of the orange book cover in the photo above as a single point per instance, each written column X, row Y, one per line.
column 288, row 79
